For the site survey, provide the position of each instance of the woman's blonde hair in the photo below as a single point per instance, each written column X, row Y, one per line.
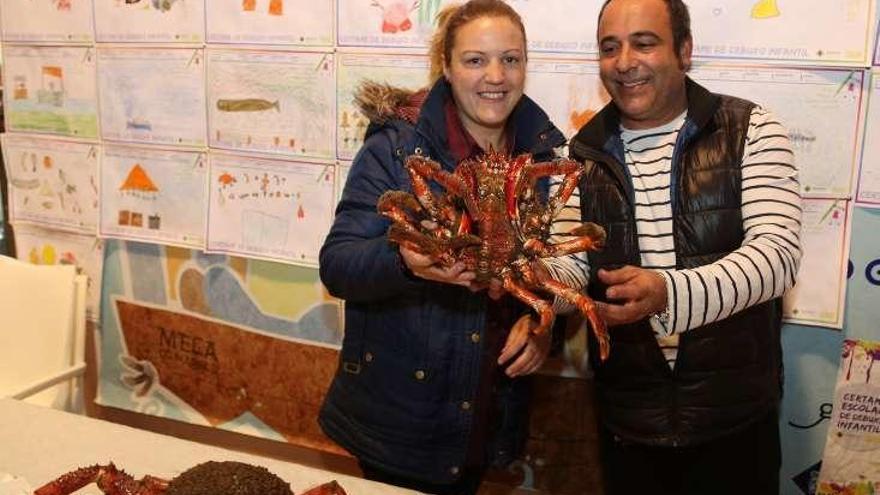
column 452, row 17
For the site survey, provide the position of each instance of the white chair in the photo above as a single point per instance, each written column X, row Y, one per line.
column 42, row 333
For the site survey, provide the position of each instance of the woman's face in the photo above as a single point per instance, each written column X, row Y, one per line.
column 487, row 71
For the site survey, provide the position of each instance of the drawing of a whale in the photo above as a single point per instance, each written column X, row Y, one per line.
column 247, row 105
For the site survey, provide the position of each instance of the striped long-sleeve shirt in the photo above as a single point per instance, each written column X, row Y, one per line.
column 766, row 263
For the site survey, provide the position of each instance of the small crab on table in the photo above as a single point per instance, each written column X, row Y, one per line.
column 208, row 478
column 490, row 215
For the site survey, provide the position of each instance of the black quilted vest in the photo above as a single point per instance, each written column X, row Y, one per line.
column 728, row 373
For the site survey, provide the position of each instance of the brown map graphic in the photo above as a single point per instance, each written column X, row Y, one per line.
column 223, row 371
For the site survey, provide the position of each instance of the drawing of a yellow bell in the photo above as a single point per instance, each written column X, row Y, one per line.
column 765, row 9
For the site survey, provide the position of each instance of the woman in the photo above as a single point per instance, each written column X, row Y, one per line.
column 426, row 394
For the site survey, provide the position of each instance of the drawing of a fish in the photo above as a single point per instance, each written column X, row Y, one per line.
column 247, row 105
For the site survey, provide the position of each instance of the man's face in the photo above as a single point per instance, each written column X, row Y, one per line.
column 639, row 65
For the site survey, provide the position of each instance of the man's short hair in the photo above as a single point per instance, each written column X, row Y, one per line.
column 679, row 20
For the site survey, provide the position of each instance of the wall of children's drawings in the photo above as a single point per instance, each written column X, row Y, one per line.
column 188, row 154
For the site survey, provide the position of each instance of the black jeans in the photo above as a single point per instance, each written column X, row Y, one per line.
column 468, row 484
column 744, row 462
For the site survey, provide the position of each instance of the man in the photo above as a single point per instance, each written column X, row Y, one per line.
column 700, row 198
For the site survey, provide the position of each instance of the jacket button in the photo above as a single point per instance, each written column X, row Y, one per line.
column 454, row 470
column 475, row 337
column 368, row 357
column 420, row 374
column 466, row 406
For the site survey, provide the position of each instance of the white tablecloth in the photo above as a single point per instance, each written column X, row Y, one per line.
column 39, row 444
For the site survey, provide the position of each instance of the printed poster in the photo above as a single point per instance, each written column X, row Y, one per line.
column 52, row 183
column 389, row 23
column 570, row 91
column 272, row 102
column 825, row 148
column 66, row 21
column 154, row 195
column 200, row 338
column 277, row 22
column 401, row 71
column 806, row 31
column 274, row 210
column 50, row 90
column 868, row 191
column 51, row 247
column 150, row 21
column 153, row 95
column 820, row 289
column 852, row 448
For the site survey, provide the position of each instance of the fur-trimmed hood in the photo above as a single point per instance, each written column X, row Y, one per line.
column 381, row 102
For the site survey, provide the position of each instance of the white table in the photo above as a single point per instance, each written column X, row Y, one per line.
column 40, row 444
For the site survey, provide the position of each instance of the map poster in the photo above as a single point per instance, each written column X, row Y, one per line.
column 802, row 32
column 825, row 148
column 272, row 102
column 274, row 22
column 819, row 293
column 851, row 463
column 568, row 90
column 868, row 190
column 154, row 195
column 401, row 71
column 51, row 21
column 270, row 209
column 51, row 182
column 51, row 90
column 153, row 95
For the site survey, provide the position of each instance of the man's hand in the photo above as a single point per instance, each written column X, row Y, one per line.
column 637, row 294
column 424, row 266
column 530, row 350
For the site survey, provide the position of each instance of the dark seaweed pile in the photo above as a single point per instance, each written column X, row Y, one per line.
column 228, row 478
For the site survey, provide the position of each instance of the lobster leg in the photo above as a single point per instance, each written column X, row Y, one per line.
column 587, row 308
column 110, row 481
column 421, row 171
column 591, row 238
column 329, row 488
column 542, row 307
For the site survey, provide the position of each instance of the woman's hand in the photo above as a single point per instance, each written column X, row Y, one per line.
column 424, row 266
column 529, row 349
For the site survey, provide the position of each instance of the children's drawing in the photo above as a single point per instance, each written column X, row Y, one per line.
column 181, row 21
column 279, row 22
column 279, row 102
column 153, row 195
column 152, row 95
column 785, row 31
column 546, row 32
column 569, row 91
column 42, row 246
column 269, row 209
column 826, row 147
column 407, row 71
column 868, row 190
column 52, row 183
column 342, row 170
column 53, row 90
column 67, row 21
column 818, row 295
column 397, row 23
